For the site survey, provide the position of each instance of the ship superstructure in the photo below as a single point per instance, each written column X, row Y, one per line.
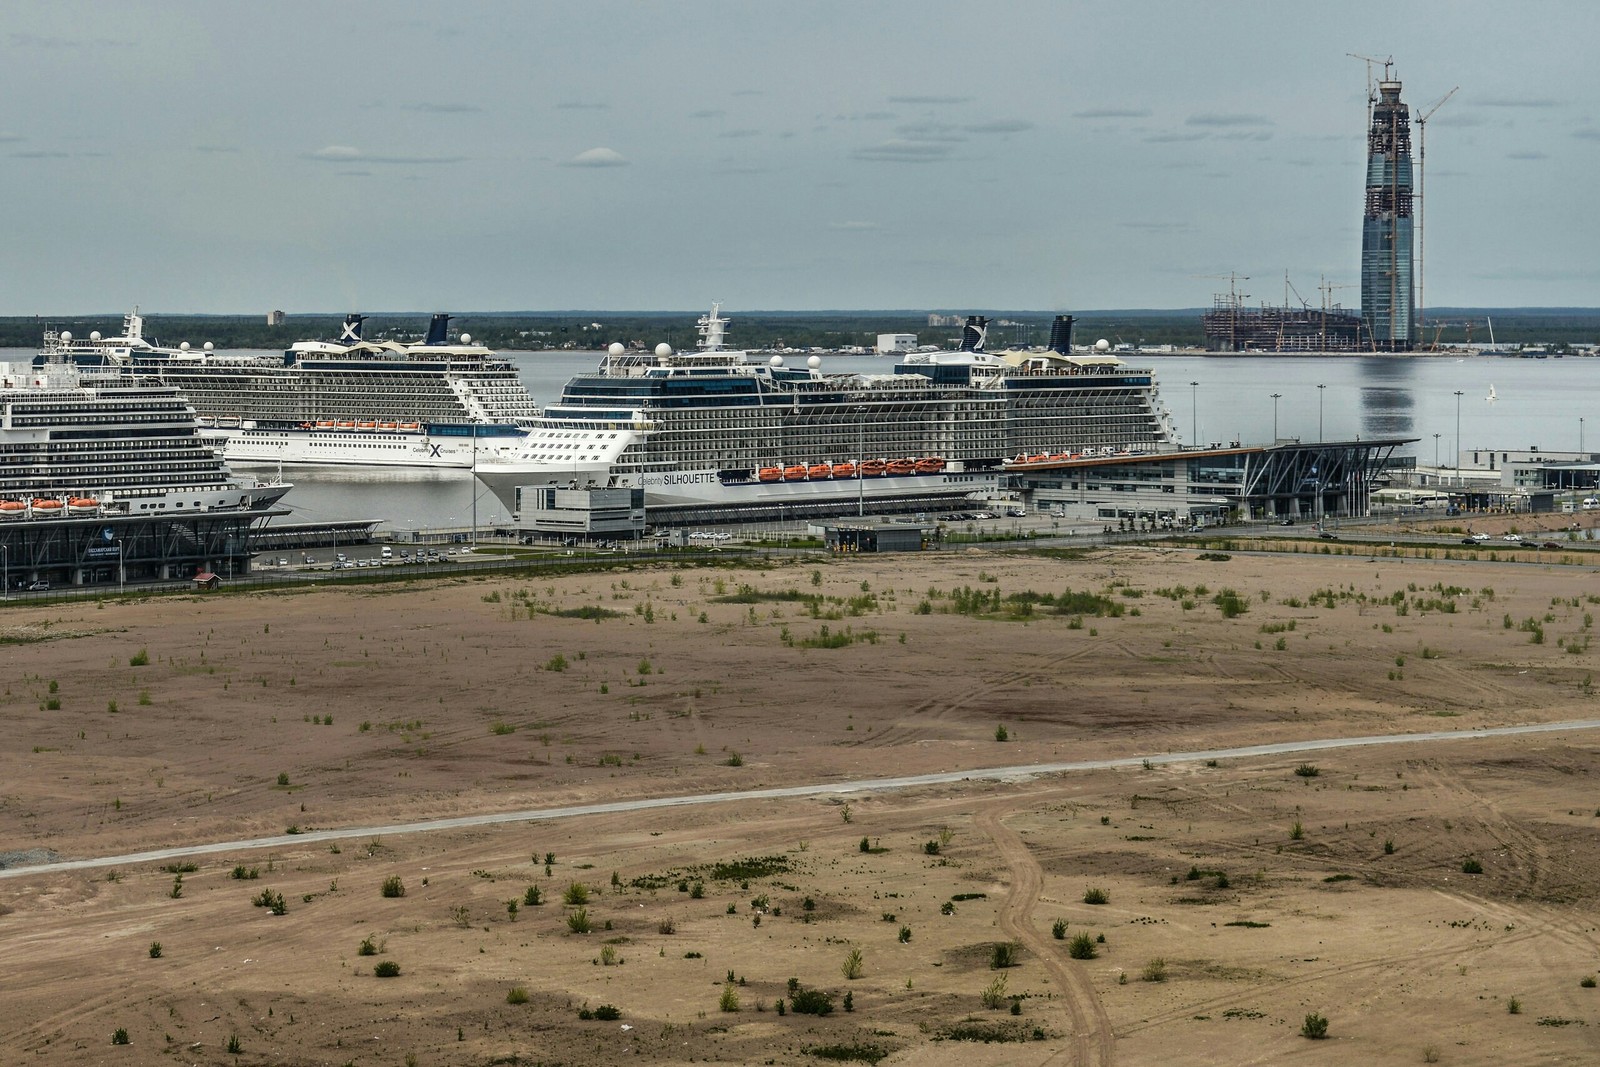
column 714, row 427
column 435, row 403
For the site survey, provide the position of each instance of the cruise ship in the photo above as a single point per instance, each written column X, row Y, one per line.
column 717, row 428
column 435, row 403
column 79, row 443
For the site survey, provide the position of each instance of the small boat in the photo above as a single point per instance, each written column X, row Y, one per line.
column 873, row 468
column 902, row 466
column 47, row 506
column 820, row 471
column 367, row 424
column 13, row 509
column 844, row 470
column 930, row 465
column 388, row 426
column 795, row 473
column 346, row 424
column 324, row 424
column 1037, row 457
column 410, row 426
column 770, row 474
column 82, row 505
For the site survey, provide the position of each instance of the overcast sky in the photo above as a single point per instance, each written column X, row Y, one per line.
column 563, row 154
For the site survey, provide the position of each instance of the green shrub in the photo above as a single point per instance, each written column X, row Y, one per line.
column 1314, row 1027
column 994, row 994
column 386, row 969
column 811, row 1002
column 578, row 921
column 516, row 995
column 1471, row 866
column 608, row 1012
column 368, row 947
column 1155, row 970
column 155, row 950
column 575, row 894
column 140, row 658
column 1307, row 770
column 1096, row 896
column 1587, row 981
column 1003, row 954
column 393, row 886
column 119, row 1036
column 851, row 968
column 1081, row 947
column 729, row 1000
column 533, row 896
column 1058, row 929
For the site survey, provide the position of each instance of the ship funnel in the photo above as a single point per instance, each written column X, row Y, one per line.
column 350, row 332
column 438, row 329
column 1061, row 335
column 973, row 333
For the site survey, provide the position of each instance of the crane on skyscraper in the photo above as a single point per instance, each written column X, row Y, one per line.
column 1422, row 207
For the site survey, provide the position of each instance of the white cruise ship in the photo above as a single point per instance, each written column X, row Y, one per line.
column 76, row 443
column 436, row 403
column 715, row 428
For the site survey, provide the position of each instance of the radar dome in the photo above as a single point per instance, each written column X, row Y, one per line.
column 663, row 350
column 208, row 346
column 814, row 362
column 66, row 335
column 1102, row 345
column 94, row 335
column 184, row 347
column 775, row 361
column 615, row 349
column 466, row 338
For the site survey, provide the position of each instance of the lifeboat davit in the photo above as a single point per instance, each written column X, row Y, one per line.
column 902, row 466
column 820, row 471
column 12, row 509
column 930, row 465
column 873, row 468
column 796, row 473
column 770, row 474
column 844, row 470
column 82, row 505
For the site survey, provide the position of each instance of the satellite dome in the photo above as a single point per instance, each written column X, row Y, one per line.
column 94, row 335
column 1102, row 345
column 775, row 361
column 466, row 338
column 615, row 349
column 208, row 346
column 66, row 335
column 814, row 362
column 663, row 350
column 184, row 347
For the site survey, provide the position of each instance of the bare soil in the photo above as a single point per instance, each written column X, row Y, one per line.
column 1264, row 894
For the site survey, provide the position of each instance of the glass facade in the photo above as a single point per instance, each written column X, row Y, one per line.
column 1388, row 293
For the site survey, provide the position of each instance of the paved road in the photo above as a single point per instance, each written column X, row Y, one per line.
column 860, row 785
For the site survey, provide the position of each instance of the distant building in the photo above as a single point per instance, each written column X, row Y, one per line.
column 275, row 318
column 1232, row 327
column 1388, row 293
column 936, row 319
column 896, row 342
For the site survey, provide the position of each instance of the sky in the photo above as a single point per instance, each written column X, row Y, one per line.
column 226, row 157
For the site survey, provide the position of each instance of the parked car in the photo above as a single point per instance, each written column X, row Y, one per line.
column 1512, row 537
column 1550, row 544
column 38, row 587
column 1468, row 541
column 1480, row 537
column 1328, row 535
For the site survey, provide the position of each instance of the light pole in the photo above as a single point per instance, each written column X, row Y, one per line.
column 1436, row 452
column 1320, row 395
column 5, row 572
column 1457, row 463
column 1580, row 433
column 1194, row 408
column 121, row 570
column 1275, row 397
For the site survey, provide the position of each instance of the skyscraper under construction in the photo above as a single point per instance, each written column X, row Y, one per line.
column 1388, row 293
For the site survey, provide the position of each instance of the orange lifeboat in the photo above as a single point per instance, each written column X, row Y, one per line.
column 873, row 468
column 820, row 471
column 1037, row 457
column 324, row 424
column 408, row 426
column 770, row 474
column 796, row 473
column 346, row 424
column 46, row 506
column 930, row 465
column 902, row 466
column 388, row 426
column 366, row 425
column 12, row 509
column 844, row 470
column 82, row 505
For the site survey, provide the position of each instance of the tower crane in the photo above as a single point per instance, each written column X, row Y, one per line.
column 1422, row 207
column 1388, row 65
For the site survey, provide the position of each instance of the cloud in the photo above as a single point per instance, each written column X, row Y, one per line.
column 581, row 105
column 10, row 138
column 1588, row 133
column 343, row 153
column 739, row 133
column 853, row 226
column 899, row 150
column 1517, row 101
column 1244, row 135
column 1113, row 113
column 1457, row 118
column 1526, row 155
column 213, row 149
column 707, row 113
column 1214, row 119
column 999, row 126
column 597, row 157
column 929, row 99
column 1169, row 138
column 353, row 173
column 931, row 131
column 37, row 154
column 441, row 109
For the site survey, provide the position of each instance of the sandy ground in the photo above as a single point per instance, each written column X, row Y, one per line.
column 1264, row 894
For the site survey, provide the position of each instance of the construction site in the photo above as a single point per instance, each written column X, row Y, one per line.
column 1232, row 327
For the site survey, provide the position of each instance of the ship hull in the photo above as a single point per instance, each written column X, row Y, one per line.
column 365, row 448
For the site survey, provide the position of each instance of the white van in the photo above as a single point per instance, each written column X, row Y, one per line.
column 1591, row 502
column 386, row 552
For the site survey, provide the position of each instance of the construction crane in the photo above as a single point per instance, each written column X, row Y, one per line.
column 1388, row 65
column 1234, row 279
column 1422, row 208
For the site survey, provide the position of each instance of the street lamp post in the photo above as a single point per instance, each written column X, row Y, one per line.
column 1580, row 433
column 5, row 572
column 1457, row 463
column 1194, row 408
column 1320, row 395
column 1436, row 453
column 1275, row 397
column 122, row 572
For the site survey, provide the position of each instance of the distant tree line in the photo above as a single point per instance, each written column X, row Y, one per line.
column 532, row 331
